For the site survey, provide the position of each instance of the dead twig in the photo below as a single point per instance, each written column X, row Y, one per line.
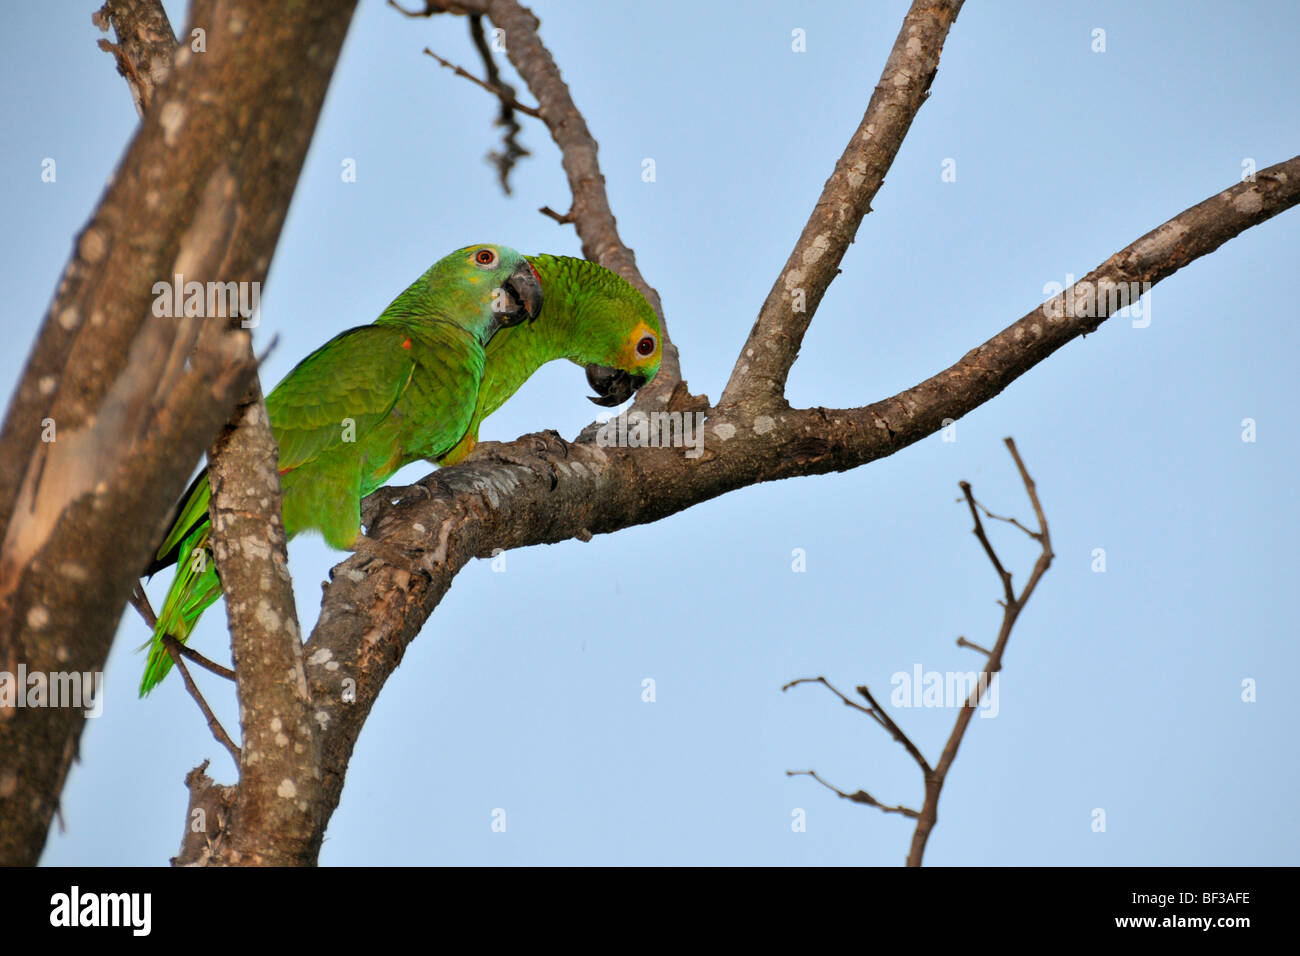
column 177, row 650
column 861, row 796
column 509, row 101
column 935, row 776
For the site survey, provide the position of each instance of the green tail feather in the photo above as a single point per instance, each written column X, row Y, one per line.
column 193, row 589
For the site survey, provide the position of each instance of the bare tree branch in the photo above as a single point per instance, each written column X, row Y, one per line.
column 277, row 804
column 145, row 44
column 765, row 360
column 140, row 601
column 1003, row 574
column 468, row 510
column 874, row 711
column 219, row 214
column 194, row 657
column 209, row 819
column 935, row 777
column 590, row 212
column 935, row 780
column 882, row 717
column 512, row 151
column 135, row 397
column 496, row 91
column 860, row 796
column 962, row 642
column 176, row 649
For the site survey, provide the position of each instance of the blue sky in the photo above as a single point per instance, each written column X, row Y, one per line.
column 1122, row 690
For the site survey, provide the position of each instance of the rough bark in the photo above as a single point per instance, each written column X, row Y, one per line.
column 276, row 804
column 145, row 45
column 372, row 608
column 765, row 360
column 134, row 398
column 369, row 613
column 590, row 212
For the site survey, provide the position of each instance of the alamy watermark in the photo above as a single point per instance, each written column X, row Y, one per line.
column 944, row 689
column 81, row 689
column 638, row 429
column 208, row 300
column 1103, row 299
column 75, row 908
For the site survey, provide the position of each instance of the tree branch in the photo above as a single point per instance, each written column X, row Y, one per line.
column 773, row 344
column 861, row 796
column 935, row 777
column 135, row 397
column 507, row 100
column 248, row 540
column 590, row 212
column 468, row 510
column 277, row 802
column 176, row 649
column 145, row 44
column 1010, row 613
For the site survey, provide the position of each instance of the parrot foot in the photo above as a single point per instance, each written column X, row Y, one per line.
column 390, row 554
column 539, row 443
column 377, row 506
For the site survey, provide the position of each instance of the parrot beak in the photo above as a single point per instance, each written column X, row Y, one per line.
column 523, row 297
column 613, row 386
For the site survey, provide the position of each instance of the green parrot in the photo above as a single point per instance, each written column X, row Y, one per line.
column 587, row 314
column 590, row 316
column 361, row 406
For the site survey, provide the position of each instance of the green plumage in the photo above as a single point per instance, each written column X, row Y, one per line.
column 415, row 385
column 590, row 316
column 361, row 406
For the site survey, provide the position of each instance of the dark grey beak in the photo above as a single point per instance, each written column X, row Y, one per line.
column 613, row 386
column 521, row 298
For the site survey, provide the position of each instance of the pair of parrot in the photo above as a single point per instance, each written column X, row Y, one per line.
column 416, row 384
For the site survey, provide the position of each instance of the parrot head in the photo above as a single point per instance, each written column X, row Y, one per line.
column 616, row 336
column 500, row 286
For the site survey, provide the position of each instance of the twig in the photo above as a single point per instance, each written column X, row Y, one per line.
column 195, row 657
column 176, row 649
column 500, row 94
column 978, row 531
column 140, row 601
column 563, row 220
column 431, row 8
column 962, row 642
column 504, row 161
column 590, row 213
column 860, row 796
column 935, row 777
column 1011, row 521
column 934, row 782
column 895, row 731
column 827, row 684
column 875, row 712
column 270, row 347
column 145, row 44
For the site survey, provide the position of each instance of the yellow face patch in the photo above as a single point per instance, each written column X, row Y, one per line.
column 642, row 349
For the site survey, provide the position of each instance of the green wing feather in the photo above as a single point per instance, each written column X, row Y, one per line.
column 354, row 411
column 342, row 390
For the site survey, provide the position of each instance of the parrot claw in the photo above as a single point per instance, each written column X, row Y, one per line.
column 390, row 554
column 551, row 434
column 375, row 507
column 495, row 451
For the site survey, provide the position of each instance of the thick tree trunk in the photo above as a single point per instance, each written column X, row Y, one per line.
column 117, row 403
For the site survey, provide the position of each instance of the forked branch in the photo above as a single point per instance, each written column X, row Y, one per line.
column 934, row 777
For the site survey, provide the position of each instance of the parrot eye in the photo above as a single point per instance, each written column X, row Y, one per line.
column 646, row 346
column 485, row 257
